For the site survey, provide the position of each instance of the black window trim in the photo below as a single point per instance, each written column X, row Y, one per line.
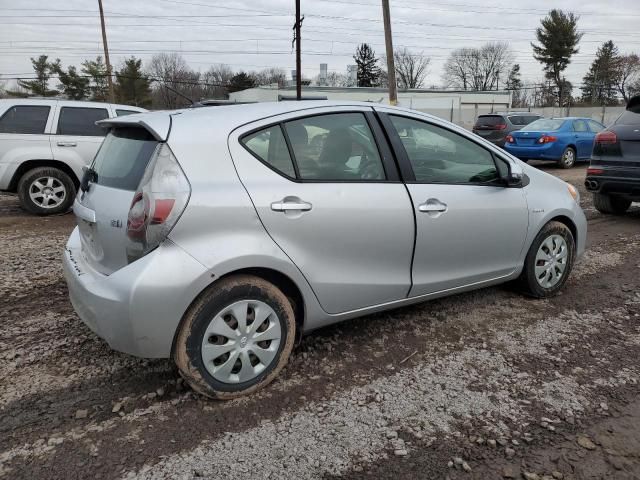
column 408, row 174
column 384, row 150
column 60, row 107
column 44, row 130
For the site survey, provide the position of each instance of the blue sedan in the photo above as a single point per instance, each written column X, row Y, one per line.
column 564, row 140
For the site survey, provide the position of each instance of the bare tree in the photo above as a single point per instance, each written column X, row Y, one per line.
column 478, row 68
column 335, row 79
column 172, row 74
column 269, row 76
column 216, row 80
column 411, row 69
column 628, row 73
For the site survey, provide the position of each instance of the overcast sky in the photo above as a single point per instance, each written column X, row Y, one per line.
column 252, row 35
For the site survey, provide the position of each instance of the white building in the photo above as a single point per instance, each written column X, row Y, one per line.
column 461, row 107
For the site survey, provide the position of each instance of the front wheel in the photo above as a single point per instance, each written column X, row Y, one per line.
column 568, row 159
column 610, row 204
column 549, row 261
column 236, row 337
column 46, row 191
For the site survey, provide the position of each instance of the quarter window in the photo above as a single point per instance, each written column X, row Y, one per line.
column 335, row 147
column 25, row 119
column 438, row 155
column 122, row 113
column 595, row 126
column 270, row 146
column 81, row 121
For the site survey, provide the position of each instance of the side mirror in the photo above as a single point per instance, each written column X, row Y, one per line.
column 515, row 180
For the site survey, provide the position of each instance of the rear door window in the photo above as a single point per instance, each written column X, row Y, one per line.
column 123, row 158
column 81, row 121
column 335, row 147
column 25, row 119
column 580, row 126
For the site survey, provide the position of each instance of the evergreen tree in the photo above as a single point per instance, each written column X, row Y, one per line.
column 73, row 85
column 599, row 84
column 514, row 84
column 367, row 63
column 96, row 70
column 241, row 81
column 558, row 39
column 40, row 85
column 132, row 87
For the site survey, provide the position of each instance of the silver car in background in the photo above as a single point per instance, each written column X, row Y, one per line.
column 216, row 236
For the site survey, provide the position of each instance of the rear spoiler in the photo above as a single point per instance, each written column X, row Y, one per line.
column 157, row 123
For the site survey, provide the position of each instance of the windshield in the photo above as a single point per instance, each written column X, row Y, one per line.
column 544, row 124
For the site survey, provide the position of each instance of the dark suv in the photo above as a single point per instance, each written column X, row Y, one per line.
column 614, row 172
column 496, row 126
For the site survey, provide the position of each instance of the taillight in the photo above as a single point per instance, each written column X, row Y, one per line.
column 159, row 201
column 510, row 139
column 547, row 139
column 501, row 126
column 606, row 137
column 594, row 171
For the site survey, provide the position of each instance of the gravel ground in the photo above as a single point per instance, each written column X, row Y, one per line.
column 481, row 385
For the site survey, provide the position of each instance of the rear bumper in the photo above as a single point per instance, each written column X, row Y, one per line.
column 628, row 187
column 138, row 308
column 534, row 152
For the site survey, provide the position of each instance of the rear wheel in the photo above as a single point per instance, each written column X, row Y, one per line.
column 236, row 337
column 568, row 159
column 610, row 203
column 46, row 191
column 549, row 261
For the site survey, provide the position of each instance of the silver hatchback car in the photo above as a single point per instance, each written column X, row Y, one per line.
column 216, row 236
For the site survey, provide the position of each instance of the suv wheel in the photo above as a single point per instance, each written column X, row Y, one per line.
column 235, row 338
column 568, row 159
column 46, row 191
column 610, row 203
column 549, row 261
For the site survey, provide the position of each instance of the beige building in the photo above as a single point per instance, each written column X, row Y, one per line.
column 461, row 107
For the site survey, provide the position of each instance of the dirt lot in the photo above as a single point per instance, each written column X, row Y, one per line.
column 481, row 385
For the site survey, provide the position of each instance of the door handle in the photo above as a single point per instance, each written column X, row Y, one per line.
column 67, row 144
column 433, row 205
column 290, row 205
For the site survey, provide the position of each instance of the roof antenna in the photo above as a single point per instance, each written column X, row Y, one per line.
column 191, row 101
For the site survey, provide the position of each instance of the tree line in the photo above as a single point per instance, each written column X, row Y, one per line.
column 168, row 82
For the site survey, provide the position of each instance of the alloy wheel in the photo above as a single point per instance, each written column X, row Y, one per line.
column 551, row 261
column 569, row 157
column 47, row 192
column 241, row 341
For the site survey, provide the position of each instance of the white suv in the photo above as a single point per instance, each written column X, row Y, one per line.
column 44, row 145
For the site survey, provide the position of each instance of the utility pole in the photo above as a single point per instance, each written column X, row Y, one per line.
column 391, row 68
column 298, row 50
column 112, row 98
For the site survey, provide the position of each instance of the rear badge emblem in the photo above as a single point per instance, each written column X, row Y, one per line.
column 116, row 223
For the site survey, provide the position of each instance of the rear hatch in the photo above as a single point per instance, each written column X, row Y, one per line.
column 491, row 127
column 619, row 145
column 111, row 182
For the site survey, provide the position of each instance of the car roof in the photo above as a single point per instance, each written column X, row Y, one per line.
column 233, row 116
column 78, row 103
column 510, row 113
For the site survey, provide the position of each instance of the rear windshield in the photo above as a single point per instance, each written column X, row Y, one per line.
column 489, row 120
column 522, row 119
column 123, row 157
column 547, row 124
column 628, row 118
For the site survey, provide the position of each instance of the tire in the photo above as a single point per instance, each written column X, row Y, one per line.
column 568, row 158
column 201, row 329
column 46, row 191
column 610, row 203
column 531, row 281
